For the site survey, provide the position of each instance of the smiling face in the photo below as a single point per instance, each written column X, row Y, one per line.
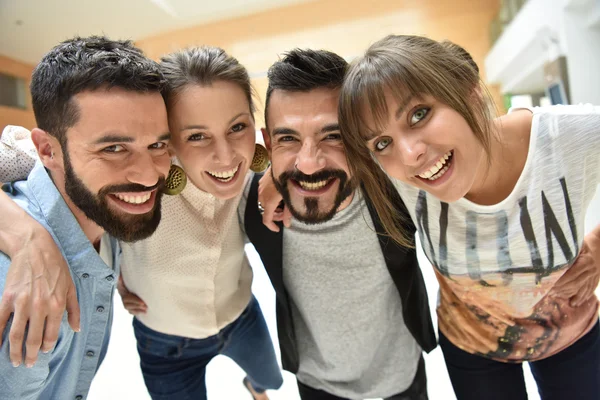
column 213, row 136
column 429, row 145
column 116, row 160
column 308, row 160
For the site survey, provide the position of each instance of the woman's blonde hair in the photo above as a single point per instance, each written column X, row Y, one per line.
column 406, row 66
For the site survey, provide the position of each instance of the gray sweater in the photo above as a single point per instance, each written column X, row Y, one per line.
column 352, row 341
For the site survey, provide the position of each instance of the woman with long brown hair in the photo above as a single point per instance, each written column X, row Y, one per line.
column 499, row 204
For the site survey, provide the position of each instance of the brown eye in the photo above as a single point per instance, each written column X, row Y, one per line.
column 116, row 148
column 238, row 127
column 196, row 137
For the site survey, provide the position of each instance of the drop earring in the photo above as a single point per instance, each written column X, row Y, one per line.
column 260, row 160
column 176, row 180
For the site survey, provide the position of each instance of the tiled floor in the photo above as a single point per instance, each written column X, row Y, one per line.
column 120, row 377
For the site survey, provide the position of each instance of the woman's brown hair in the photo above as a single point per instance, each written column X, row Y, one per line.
column 203, row 66
column 406, row 66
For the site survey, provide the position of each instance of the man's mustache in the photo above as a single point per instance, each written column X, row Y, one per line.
column 319, row 176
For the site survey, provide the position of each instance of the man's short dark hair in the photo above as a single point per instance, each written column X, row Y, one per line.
column 304, row 70
column 86, row 64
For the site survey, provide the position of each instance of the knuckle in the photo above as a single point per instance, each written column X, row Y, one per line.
column 33, row 343
column 39, row 304
column 15, row 335
column 21, row 301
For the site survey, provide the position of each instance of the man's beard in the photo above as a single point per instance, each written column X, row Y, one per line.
column 313, row 213
column 123, row 226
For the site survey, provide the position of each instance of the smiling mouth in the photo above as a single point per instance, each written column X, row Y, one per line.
column 439, row 168
column 224, row 176
column 313, row 186
column 131, row 199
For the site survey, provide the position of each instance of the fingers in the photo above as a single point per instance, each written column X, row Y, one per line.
column 134, row 305
column 121, row 288
column 51, row 332
column 287, row 217
column 15, row 337
column 583, row 295
column 35, row 334
column 269, row 216
column 5, row 311
column 74, row 314
column 136, row 310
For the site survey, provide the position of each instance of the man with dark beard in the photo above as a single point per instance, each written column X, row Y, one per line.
column 352, row 310
column 102, row 140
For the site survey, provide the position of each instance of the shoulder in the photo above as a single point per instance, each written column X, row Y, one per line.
column 584, row 118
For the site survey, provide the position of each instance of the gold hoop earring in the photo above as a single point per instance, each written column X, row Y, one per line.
column 176, row 180
column 260, row 161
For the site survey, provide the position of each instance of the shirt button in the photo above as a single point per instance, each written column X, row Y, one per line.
column 110, row 278
column 85, row 276
column 79, row 397
column 100, row 309
column 90, row 354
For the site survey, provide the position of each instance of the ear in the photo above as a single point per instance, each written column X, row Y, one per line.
column 267, row 139
column 48, row 148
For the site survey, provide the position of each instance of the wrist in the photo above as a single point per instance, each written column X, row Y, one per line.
column 20, row 236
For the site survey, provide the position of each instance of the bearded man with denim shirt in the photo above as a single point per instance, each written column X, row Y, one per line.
column 102, row 141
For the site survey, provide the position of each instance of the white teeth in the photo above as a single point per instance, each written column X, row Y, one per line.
column 439, row 174
column 435, row 169
column 134, row 199
column 224, row 176
column 312, row 185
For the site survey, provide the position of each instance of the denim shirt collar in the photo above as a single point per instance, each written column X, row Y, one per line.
column 75, row 246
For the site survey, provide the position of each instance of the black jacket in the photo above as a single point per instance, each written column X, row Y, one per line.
column 401, row 262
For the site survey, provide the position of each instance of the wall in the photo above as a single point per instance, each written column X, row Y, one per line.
column 17, row 116
column 346, row 27
column 583, row 53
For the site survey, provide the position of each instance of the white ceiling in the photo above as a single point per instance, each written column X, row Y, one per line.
column 29, row 28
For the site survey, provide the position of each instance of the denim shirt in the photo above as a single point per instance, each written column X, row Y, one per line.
column 67, row 371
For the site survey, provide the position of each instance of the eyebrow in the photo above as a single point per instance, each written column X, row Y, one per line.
column 372, row 135
column 164, row 136
column 402, row 106
column 330, row 128
column 189, row 127
column 333, row 127
column 113, row 138
column 283, row 131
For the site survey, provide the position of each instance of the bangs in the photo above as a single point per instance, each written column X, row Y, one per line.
column 363, row 105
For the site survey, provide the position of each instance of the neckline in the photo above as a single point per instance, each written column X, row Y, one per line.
column 509, row 199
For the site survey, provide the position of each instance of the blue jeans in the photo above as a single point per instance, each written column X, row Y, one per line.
column 574, row 373
column 174, row 367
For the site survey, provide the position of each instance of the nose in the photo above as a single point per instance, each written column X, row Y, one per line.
column 224, row 153
column 146, row 170
column 412, row 150
column 310, row 158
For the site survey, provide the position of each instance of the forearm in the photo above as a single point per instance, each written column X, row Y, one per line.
column 16, row 226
